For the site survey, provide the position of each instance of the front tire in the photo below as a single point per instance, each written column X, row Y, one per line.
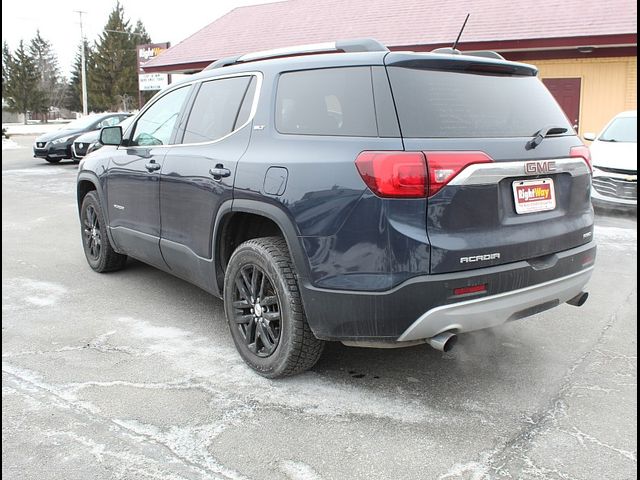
column 53, row 160
column 264, row 310
column 100, row 254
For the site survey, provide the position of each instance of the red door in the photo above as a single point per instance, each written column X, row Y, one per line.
column 566, row 91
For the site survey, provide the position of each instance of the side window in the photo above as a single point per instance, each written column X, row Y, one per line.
column 216, row 109
column 155, row 126
column 108, row 122
column 332, row 101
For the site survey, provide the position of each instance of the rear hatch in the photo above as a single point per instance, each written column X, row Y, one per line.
column 520, row 197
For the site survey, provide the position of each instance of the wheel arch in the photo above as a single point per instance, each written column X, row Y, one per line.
column 229, row 220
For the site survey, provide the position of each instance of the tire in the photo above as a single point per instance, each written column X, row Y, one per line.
column 97, row 249
column 271, row 334
column 53, row 160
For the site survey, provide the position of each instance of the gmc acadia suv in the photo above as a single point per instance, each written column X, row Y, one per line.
column 371, row 197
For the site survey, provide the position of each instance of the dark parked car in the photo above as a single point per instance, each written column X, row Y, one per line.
column 56, row 145
column 90, row 141
column 371, row 197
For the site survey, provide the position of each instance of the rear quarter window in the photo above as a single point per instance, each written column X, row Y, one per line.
column 332, row 101
column 216, row 109
column 443, row 104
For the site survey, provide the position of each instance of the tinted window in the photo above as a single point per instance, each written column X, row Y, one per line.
column 215, row 110
column 334, row 101
column 247, row 103
column 453, row 104
column 155, row 126
column 624, row 129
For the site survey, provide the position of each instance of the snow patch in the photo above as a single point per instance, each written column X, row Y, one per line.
column 8, row 144
column 298, row 471
column 217, row 367
column 34, row 292
column 616, row 238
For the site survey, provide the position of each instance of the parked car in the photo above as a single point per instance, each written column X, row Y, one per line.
column 615, row 162
column 376, row 198
column 55, row 146
column 90, row 141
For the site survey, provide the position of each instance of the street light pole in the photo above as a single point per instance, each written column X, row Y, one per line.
column 85, row 107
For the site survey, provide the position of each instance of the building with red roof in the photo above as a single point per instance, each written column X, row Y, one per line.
column 586, row 50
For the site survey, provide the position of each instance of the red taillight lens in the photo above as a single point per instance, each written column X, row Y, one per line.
column 583, row 152
column 394, row 174
column 471, row 289
column 444, row 166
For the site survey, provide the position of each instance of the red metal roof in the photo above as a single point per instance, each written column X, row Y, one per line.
column 403, row 23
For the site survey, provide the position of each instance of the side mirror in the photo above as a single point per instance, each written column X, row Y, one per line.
column 111, row 136
column 589, row 136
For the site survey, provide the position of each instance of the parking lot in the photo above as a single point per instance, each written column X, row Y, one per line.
column 134, row 375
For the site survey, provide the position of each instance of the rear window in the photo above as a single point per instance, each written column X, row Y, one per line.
column 333, row 101
column 623, row 129
column 438, row 104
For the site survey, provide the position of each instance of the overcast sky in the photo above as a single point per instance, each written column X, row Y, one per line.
column 58, row 23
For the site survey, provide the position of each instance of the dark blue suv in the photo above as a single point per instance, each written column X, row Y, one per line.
column 371, row 197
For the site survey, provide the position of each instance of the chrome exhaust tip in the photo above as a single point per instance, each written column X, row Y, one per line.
column 443, row 341
column 579, row 299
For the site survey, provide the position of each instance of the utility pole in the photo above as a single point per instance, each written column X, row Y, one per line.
column 85, row 107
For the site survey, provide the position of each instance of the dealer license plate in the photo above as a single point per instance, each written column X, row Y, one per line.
column 534, row 195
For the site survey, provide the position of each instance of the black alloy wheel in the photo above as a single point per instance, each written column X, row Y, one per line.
column 264, row 310
column 97, row 248
column 257, row 312
column 92, row 238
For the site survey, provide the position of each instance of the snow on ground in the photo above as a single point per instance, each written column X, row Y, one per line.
column 32, row 128
column 8, row 144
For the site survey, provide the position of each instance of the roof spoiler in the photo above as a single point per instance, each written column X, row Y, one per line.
column 479, row 53
column 351, row 45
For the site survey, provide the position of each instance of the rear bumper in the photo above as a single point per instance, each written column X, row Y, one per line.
column 426, row 305
column 497, row 309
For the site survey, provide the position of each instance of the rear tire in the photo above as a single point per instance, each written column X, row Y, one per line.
column 271, row 333
column 100, row 254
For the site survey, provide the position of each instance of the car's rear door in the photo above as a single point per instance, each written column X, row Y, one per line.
column 526, row 201
column 198, row 173
column 133, row 178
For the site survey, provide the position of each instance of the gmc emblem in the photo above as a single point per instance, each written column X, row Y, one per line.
column 544, row 166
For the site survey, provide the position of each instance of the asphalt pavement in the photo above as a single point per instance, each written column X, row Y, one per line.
column 133, row 375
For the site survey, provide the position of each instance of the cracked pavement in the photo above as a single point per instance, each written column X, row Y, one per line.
column 133, row 375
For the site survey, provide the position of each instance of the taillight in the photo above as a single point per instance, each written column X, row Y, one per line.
column 581, row 151
column 394, row 174
column 444, row 166
column 471, row 289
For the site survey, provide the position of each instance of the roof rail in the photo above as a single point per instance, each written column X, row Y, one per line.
column 479, row 53
column 351, row 45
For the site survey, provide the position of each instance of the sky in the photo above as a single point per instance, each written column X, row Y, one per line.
column 59, row 24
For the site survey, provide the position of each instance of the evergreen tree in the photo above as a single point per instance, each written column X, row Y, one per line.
column 51, row 82
column 114, row 78
column 6, row 67
column 22, row 90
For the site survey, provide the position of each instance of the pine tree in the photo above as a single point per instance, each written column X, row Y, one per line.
column 51, row 82
column 22, row 90
column 114, row 78
column 6, row 67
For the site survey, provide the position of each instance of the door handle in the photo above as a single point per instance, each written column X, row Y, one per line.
column 152, row 166
column 219, row 172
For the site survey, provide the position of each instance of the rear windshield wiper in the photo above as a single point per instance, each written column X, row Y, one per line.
column 607, row 139
column 542, row 133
